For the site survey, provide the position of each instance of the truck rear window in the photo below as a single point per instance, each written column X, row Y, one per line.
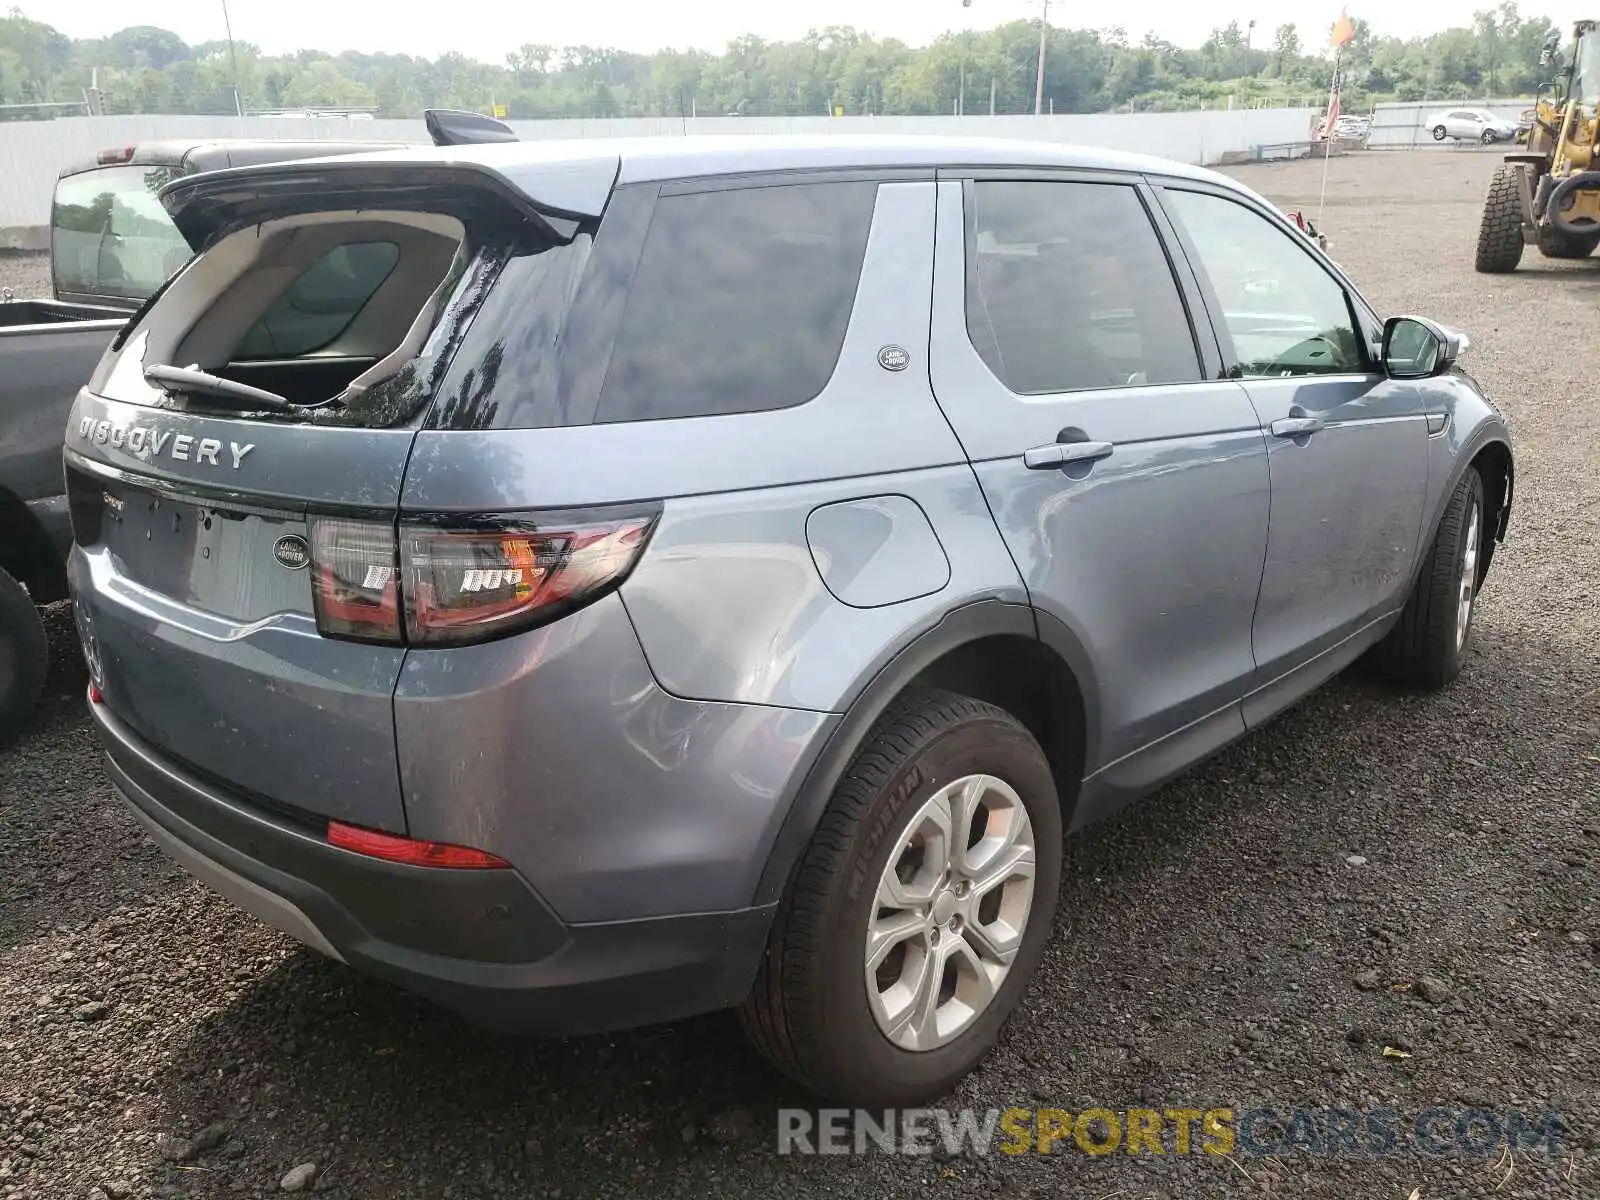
column 109, row 235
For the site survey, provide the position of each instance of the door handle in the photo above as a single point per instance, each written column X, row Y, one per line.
column 1295, row 426
column 1063, row 454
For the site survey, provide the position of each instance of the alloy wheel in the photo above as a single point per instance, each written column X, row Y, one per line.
column 950, row 912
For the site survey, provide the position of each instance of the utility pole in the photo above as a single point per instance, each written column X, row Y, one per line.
column 238, row 92
column 966, row 49
column 1038, row 83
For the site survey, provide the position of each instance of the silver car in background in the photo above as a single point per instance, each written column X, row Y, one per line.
column 1471, row 125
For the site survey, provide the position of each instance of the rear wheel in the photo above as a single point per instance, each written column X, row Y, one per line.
column 1426, row 649
column 1553, row 243
column 1439, row 133
column 919, row 911
column 24, row 657
column 1500, row 231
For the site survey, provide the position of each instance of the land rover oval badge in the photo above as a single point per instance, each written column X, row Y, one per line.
column 291, row 551
column 894, row 358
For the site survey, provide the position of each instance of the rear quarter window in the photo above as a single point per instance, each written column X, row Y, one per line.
column 740, row 301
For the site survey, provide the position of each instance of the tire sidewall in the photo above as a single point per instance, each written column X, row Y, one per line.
column 1439, row 133
column 992, row 746
column 1469, row 495
column 1489, row 137
column 26, row 649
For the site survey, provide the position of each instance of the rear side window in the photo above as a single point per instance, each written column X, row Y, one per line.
column 319, row 305
column 740, row 301
column 109, row 235
column 1068, row 289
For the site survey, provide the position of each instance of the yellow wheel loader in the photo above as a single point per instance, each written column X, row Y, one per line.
column 1547, row 192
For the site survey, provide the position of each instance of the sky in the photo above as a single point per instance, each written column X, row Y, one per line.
column 488, row 29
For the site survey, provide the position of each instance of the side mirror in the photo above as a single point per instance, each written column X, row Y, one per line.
column 1417, row 348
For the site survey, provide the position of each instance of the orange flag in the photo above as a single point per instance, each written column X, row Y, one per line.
column 1344, row 30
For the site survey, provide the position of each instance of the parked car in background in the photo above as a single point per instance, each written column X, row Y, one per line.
column 689, row 573
column 1471, row 124
column 1352, row 128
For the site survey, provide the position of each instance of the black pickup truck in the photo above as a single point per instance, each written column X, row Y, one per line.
column 111, row 246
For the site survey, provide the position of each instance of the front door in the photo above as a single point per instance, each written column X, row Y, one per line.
column 1347, row 447
column 1129, row 483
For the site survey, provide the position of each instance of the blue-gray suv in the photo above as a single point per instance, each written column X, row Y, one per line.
column 588, row 584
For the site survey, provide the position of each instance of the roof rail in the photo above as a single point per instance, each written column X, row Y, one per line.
column 450, row 127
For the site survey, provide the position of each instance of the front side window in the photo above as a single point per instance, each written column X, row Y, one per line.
column 1068, row 289
column 109, row 235
column 1285, row 314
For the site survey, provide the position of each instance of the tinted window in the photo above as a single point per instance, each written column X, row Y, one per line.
column 318, row 306
column 109, row 235
column 1068, row 288
column 1286, row 315
column 536, row 353
column 740, row 301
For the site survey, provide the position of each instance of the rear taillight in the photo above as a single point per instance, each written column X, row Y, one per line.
column 121, row 154
column 457, row 584
column 408, row 850
column 468, row 585
column 355, row 579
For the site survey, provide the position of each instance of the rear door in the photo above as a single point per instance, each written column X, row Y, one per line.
column 1347, row 445
column 1129, row 484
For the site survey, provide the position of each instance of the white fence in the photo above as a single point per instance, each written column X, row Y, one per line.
column 32, row 154
column 1398, row 126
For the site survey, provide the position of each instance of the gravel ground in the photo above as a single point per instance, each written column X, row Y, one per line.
column 1253, row 935
column 27, row 275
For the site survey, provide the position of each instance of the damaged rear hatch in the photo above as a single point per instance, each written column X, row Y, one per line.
column 235, row 464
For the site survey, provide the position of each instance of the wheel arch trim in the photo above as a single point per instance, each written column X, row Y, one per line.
column 1490, row 432
column 876, row 689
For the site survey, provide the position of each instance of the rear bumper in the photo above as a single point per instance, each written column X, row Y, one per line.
column 480, row 942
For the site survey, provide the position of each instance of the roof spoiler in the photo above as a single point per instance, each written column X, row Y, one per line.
column 451, row 127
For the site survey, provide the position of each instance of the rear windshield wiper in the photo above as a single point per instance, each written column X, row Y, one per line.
column 193, row 379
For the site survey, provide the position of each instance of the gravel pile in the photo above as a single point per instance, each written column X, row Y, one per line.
column 1381, row 901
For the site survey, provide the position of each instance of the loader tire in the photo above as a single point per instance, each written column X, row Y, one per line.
column 1500, row 234
column 1555, row 244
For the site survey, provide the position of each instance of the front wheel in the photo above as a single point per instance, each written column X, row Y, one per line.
column 1439, row 133
column 1426, row 648
column 1490, row 137
column 919, row 911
